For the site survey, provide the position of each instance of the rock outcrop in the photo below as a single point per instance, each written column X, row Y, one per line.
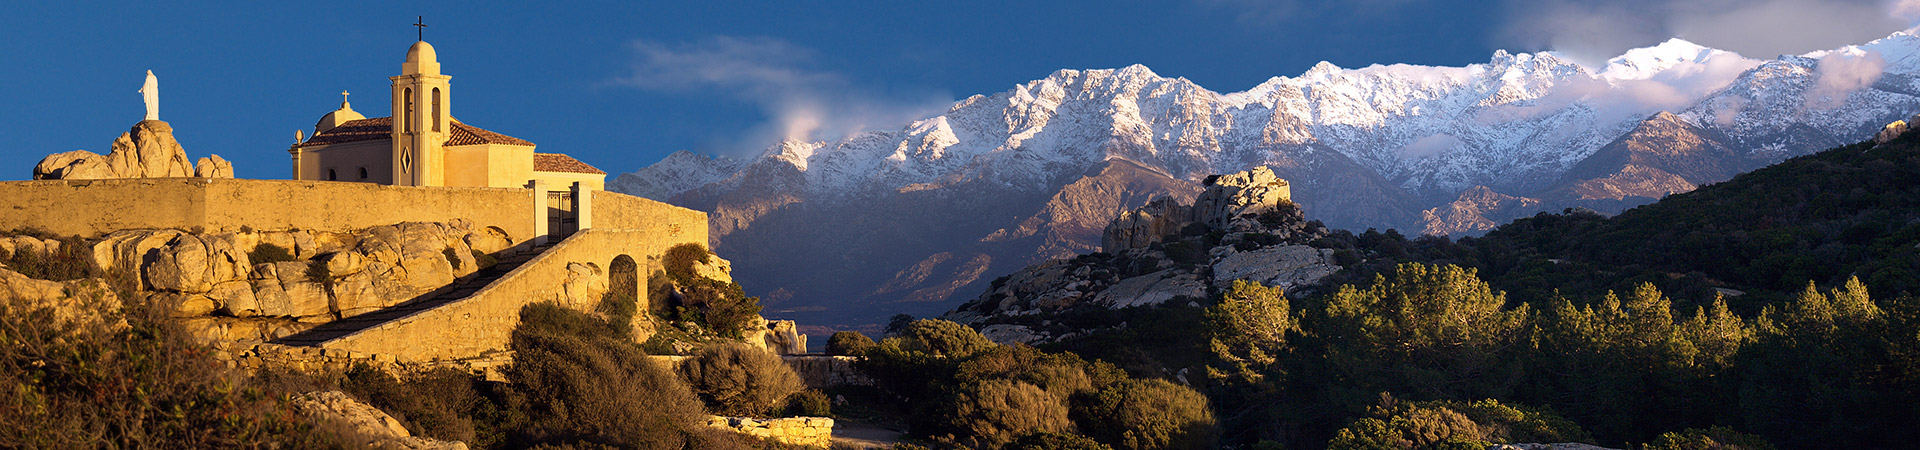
column 1230, row 202
column 1895, row 129
column 149, row 150
column 85, row 304
column 1146, row 226
column 308, row 277
column 1244, row 228
column 379, row 430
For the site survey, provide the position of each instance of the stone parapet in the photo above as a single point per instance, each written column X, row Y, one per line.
column 808, row 431
column 90, row 208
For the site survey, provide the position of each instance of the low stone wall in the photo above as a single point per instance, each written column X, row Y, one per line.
column 817, row 371
column 484, row 321
column 823, row 371
column 808, row 431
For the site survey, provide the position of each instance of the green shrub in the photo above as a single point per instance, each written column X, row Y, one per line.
column 738, row 380
column 269, row 253
column 810, row 403
column 849, row 343
column 1447, row 424
column 991, row 413
column 143, row 385
column 723, row 308
column 579, row 384
column 1055, row 441
column 1716, row 438
column 73, row 260
column 430, row 404
column 945, row 338
column 1061, row 374
column 1149, row 414
column 679, row 261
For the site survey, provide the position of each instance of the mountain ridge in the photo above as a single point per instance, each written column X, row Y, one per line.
column 1374, row 147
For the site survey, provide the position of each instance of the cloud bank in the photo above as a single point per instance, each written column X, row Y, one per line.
column 802, row 101
column 1590, row 32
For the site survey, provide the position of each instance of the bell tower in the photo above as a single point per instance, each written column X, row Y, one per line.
column 420, row 119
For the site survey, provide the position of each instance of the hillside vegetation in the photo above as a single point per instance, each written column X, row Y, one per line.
column 1774, row 309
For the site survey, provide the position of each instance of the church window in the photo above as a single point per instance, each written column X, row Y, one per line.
column 436, row 109
column 330, row 175
column 363, row 173
column 411, row 127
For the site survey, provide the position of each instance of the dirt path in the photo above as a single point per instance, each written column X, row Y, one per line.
column 863, row 435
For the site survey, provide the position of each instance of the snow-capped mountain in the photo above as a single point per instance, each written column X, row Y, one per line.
column 928, row 211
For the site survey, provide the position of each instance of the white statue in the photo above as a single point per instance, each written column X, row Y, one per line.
column 151, row 93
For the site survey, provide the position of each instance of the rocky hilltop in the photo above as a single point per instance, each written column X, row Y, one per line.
column 147, row 151
column 1244, row 226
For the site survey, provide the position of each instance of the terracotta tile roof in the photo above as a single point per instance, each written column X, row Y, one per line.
column 354, row 131
column 555, row 162
column 382, row 127
column 464, row 134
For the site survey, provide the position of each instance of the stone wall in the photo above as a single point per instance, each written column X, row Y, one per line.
column 620, row 211
column 90, row 208
column 808, row 431
column 823, row 371
column 484, row 321
column 817, row 371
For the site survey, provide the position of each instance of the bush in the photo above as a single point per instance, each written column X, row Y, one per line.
column 1062, row 374
column 679, row 261
column 1055, row 441
column 269, row 253
column 96, row 384
column 429, row 405
column 810, row 403
column 73, row 260
column 578, row 384
column 945, row 338
column 849, row 343
column 738, row 380
column 1149, row 414
column 723, row 308
column 1446, row 424
column 1716, row 438
column 992, row 413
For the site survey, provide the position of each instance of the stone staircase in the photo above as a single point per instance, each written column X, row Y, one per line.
column 461, row 288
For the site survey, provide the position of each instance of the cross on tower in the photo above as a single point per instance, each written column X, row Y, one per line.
column 421, row 31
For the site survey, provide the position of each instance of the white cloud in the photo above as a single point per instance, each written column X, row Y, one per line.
column 1593, row 31
column 1430, row 146
column 1839, row 74
column 803, row 102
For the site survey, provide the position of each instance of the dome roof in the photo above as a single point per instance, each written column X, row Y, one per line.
column 337, row 117
column 420, row 52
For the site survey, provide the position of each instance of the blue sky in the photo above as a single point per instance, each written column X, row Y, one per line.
column 622, row 84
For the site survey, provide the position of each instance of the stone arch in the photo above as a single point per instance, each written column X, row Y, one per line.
column 436, row 109
column 623, row 280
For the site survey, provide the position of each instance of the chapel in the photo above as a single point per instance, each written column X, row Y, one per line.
column 422, row 144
